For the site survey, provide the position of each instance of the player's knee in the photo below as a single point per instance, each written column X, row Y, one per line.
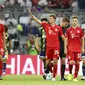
column 55, row 61
column 77, row 62
column 71, row 62
column 84, row 61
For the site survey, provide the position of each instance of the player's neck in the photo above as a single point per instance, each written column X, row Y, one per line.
column 53, row 24
column 74, row 27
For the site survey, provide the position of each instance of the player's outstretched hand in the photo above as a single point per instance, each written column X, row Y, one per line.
column 29, row 11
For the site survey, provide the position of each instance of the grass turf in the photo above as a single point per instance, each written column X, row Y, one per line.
column 35, row 80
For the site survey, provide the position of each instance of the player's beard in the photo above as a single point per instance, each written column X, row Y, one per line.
column 74, row 24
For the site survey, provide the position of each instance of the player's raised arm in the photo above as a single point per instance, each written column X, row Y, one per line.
column 33, row 17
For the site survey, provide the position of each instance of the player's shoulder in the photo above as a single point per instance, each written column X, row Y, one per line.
column 1, row 24
column 68, row 29
column 79, row 28
column 58, row 26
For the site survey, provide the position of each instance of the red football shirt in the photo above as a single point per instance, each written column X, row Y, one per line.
column 2, row 30
column 74, row 39
column 52, row 35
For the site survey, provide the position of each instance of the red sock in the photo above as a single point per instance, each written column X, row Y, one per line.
column 76, row 70
column 70, row 68
column 54, row 70
column 1, row 66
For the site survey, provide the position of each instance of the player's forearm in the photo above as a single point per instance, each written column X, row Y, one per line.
column 4, row 39
column 10, row 44
column 37, row 44
column 65, row 43
column 35, row 19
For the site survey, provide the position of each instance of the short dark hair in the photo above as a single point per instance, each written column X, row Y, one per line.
column 44, row 19
column 66, row 19
column 75, row 17
column 52, row 15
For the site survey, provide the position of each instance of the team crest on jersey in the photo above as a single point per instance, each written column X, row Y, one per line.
column 70, row 31
column 78, row 31
column 50, row 31
column 72, row 35
column 56, row 30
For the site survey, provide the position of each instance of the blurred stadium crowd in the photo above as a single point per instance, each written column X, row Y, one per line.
column 23, row 30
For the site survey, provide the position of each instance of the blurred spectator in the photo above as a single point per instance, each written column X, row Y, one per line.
column 75, row 6
column 43, row 3
column 35, row 2
column 30, row 45
column 65, row 3
column 2, row 21
column 12, row 20
column 12, row 2
column 9, row 2
column 12, row 26
column 53, row 3
column 28, row 3
column 21, row 2
column 24, row 20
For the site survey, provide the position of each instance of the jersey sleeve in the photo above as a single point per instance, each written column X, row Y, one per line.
column 61, row 31
column 44, row 24
column 3, row 29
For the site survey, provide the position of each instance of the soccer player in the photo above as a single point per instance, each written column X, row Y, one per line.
column 41, row 42
column 7, row 51
column 2, row 47
column 74, row 46
column 52, row 42
column 64, row 24
column 41, row 46
column 83, row 62
column 41, row 39
column 83, row 67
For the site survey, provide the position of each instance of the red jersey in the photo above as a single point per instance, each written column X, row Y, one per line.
column 74, row 39
column 2, row 30
column 52, row 35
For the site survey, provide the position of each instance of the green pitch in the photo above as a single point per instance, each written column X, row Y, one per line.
column 35, row 80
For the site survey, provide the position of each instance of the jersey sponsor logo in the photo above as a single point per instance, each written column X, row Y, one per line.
column 72, row 35
column 50, row 32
